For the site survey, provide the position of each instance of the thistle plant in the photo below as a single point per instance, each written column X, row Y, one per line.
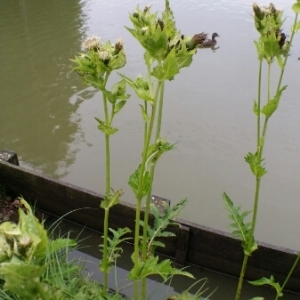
column 95, row 66
column 167, row 51
column 271, row 47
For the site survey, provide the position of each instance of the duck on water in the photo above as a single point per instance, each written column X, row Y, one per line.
column 209, row 43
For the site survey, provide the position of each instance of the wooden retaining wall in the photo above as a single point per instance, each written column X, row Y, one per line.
column 194, row 244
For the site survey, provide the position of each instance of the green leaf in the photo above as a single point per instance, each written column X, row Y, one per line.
column 296, row 7
column 141, row 88
column 113, row 249
column 161, row 222
column 134, row 183
column 260, row 51
column 22, row 279
column 238, row 219
column 61, row 243
column 257, row 298
column 111, row 199
column 108, row 130
column 170, row 65
column 156, row 150
column 279, row 61
column 270, row 107
column 119, row 106
column 152, row 267
column 255, row 108
column 255, row 165
column 297, row 26
column 144, row 114
column 168, row 69
column 148, row 58
column 30, row 225
column 271, row 282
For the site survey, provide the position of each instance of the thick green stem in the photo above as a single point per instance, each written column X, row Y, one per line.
column 241, row 278
column 145, row 233
column 140, row 191
column 107, row 192
column 160, row 110
column 259, row 102
column 151, row 174
column 105, row 262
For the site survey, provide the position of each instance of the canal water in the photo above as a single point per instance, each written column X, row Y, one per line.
column 47, row 114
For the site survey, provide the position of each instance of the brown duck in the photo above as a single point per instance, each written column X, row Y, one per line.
column 209, row 43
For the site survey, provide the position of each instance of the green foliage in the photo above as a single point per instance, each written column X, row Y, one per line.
column 255, row 164
column 271, row 282
column 161, row 222
column 113, row 248
column 272, row 104
column 242, row 229
column 156, row 150
column 153, row 267
column 134, row 180
column 141, row 87
column 111, row 199
column 107, row 129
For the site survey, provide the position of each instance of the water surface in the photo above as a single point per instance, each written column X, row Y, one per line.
column 47, row 114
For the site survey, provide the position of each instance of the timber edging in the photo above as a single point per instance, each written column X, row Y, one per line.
column 194, row 244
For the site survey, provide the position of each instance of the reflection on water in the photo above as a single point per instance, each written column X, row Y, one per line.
column 38, row 121
column 208, row 109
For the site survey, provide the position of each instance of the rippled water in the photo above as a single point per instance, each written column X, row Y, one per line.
column 47, row 114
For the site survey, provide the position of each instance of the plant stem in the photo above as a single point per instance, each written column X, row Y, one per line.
column 107, row 191
column 260, row 148
column 241, row 278
column 105, row 266
column 151, row 174
column 140, row 191
column 160, row 110
column 258, row 102
column 289, row 275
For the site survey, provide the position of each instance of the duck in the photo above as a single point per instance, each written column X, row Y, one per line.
column 210, row 43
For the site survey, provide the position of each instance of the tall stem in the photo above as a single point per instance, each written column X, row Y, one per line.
column 107, row 191
column 259, row 102
column 260, row 147
column 140, row 191
column 242, row 274
column 151, row 174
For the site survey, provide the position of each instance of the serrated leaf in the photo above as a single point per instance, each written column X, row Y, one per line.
column 255, row 165
column 152, row 267
column 141, row 88
column 108, row 130
column 113, row 249
column 271, row 282
column 162, row 222
column 242, row 230
column 111, row 199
